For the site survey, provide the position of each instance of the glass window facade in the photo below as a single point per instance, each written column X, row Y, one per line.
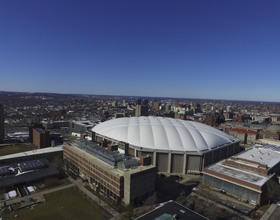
column 232, row 189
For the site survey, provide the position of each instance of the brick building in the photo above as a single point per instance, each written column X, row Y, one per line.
column 41, row 138
column 246, row 174
column 141, row 108
column 272, row 132
column 117, row 176
column 246, row 133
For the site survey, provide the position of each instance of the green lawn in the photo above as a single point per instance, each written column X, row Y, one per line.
column 6, row 150
column 68, row 204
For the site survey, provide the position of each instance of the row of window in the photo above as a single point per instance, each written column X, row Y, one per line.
column 233, row 189
column 98, row 174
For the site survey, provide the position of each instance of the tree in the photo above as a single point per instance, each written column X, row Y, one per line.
column 129, row 214
column 182, row 198
column 192, row 205
column 151, row 200
column 272, row 191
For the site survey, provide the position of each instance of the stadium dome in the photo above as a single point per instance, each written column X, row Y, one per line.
column 163, row 134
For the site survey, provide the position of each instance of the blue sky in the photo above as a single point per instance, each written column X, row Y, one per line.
column 187, row 49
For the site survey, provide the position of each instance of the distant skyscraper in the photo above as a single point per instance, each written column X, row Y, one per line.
column 198, row 108
column 1, row 122
column 141, row 108
column 155, row 105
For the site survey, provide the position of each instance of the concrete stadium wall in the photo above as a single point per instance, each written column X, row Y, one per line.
column 162, row 162
column 177, row 163
column 194, row 163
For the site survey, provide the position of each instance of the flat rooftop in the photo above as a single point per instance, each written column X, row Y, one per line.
column 26, row 172
column 265, row 141
column 90, row 157
column 244, row 175
column 112, row 161
column 33, row 152
column 171, row 210
column 40, row 130
column 267, row 154
column 87, row 124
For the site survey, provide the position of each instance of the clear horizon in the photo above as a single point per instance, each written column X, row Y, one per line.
column 151, row 97
column 199, row 49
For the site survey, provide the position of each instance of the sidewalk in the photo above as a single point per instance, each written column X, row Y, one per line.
column 104, row 205
column 240, row 208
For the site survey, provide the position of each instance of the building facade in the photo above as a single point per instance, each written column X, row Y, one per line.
column 52, row 154
column 247, row 134
column 110, row 173
column 82, row 126
column 272, row 132
column 245, row 175
column 142, row 108
column 41, row 138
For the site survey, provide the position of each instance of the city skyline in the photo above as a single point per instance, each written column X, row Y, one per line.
column 184, row 49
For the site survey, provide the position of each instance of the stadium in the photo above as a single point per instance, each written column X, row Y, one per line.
column 175, row 146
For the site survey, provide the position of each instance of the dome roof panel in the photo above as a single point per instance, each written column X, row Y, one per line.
column 167, row 134
column 159, row 137
column 133, row 136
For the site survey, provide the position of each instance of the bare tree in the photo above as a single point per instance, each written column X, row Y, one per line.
column 151, row 200
column 272, row 191
column 182, row 198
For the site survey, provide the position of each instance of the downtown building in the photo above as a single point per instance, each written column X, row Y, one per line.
column 110, row 171
column 39, row 136
column 141, row 108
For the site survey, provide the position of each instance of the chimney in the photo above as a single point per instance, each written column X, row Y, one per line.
column 126, row 145
column 145, row 161
column 93, row 136
column 112, row 147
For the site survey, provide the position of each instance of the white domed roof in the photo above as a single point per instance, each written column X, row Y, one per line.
column 163, row 134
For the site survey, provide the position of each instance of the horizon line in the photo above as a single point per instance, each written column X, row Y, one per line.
column 140, row 96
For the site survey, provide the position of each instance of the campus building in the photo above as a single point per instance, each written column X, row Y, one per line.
column 41, row 138
column 247, row 134
column 272, row 132
column 26, row 173
column 246, row 174
column 52, row 154
column 115, row 175
column 56, row 124
column 82, row 126
column 171, row 210
column 175, row 146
